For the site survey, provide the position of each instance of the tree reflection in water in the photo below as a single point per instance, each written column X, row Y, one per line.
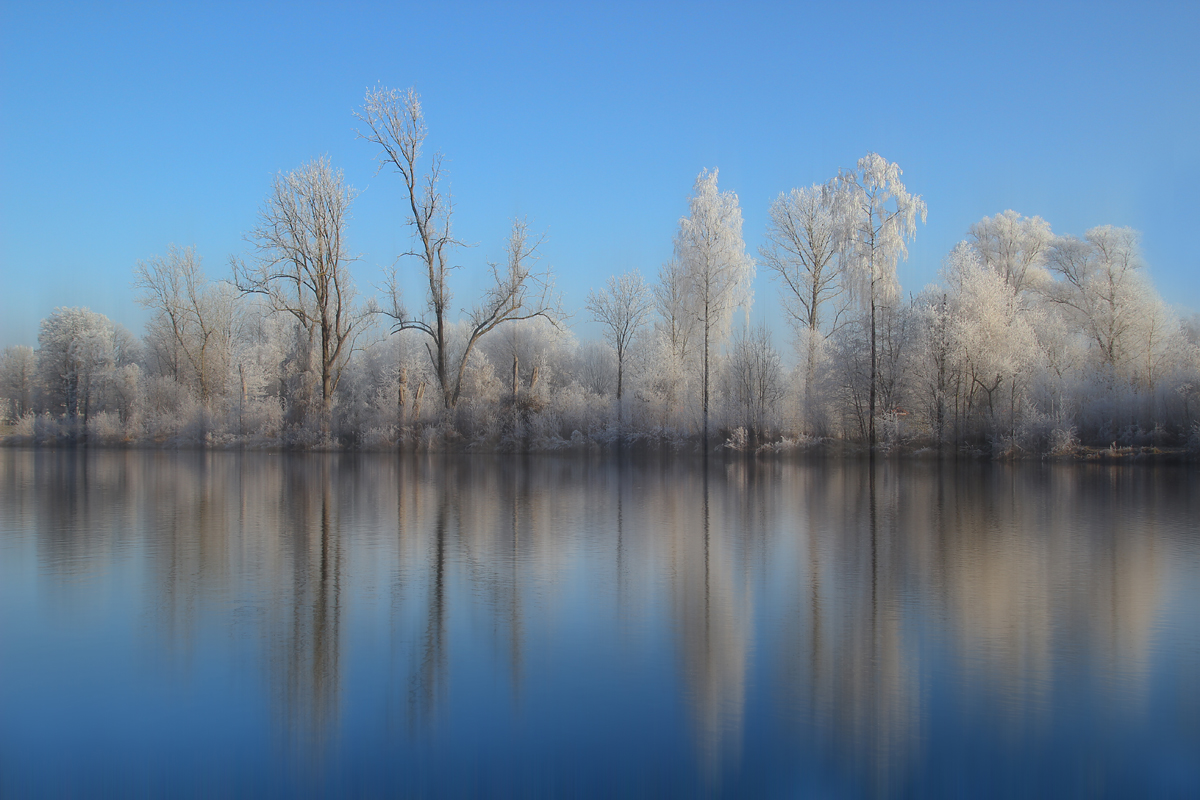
column 445, row 624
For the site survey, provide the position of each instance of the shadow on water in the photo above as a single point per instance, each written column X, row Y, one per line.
column 541, row 625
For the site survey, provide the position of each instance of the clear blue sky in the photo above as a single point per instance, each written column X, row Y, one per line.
column 126, row 128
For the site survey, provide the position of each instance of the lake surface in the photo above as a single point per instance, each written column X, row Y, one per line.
column 206, row 624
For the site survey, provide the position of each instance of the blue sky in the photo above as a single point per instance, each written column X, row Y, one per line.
column 125, row 128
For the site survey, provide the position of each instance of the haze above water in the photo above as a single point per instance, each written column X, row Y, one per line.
column 220, row 624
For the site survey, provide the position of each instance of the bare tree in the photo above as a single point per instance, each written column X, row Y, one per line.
column 623, row 309
column 197, row 319
column 802, row 251
column 875, row 217
column 303, row 265
column 395, row 122
column 517, row 293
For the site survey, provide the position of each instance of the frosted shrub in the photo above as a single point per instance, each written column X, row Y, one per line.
column 105, row 428
column 737, row 439
column 578, row 408
column 262, row 417
column 1005, row 446
column 25, row 424
column 47, row 429
column 545, row 434
column 1064, row 441
column 891, row 431
column 1158, row 436
column 379, row 438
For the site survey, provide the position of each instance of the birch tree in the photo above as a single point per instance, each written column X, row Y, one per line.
column 710, row 250
column 875, row 217
column 395, row 122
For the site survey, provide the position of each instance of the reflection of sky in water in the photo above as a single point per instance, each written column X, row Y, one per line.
column 259, row 624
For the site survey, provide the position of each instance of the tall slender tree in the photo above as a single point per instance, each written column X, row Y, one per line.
column 710, row 249
column 875, row 217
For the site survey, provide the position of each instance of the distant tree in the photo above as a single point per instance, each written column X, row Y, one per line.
column 302, row 265
column 801, row 251
column 542, row 352
column 717, row 272
column 875, row 217
column 17, row 378
column 673, row 349
column 755, row 380
column 395, row 122
column 675, row 323
column 77, row 348
column 623, row 309
column 996, row 348
column 936, row 353
column 1101, row 286
column 195, row 321
column 596, row 367
column 1015, row 247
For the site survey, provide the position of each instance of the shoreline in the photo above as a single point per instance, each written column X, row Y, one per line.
column 684, row 447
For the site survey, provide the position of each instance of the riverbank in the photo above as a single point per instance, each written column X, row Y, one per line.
column 661, row 442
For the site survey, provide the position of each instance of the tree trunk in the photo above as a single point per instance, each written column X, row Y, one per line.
column 871, row 393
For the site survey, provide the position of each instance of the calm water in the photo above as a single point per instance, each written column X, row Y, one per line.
column 259, row 625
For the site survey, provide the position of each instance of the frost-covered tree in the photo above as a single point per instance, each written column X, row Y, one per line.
column 77, row 351
column 195, row 322
column 17, row 379
column 623, row 309
column 1015, row 247
column 935, row 358
column 754, row 381
column 303, row 266
column 676, row 324
column 717, row 272
column 518, row 293
column 875, row 217
column 596, row 368
column 996, row 347
column 801, row 251
column 673, row 347
column 1100, row 284
column 395, row 122
column 541, row 352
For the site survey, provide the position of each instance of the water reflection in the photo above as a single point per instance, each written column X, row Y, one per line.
column 636, row 626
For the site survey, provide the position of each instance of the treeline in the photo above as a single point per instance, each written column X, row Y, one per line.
column 1032, row 343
